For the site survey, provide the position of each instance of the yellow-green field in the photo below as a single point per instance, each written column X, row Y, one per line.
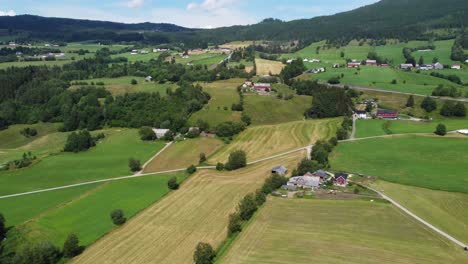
column 236, row 44
column 338, row 231
column 183, row 154
column 168, row 231
column 445, row 210
column 268, row 67
column 122, row 85
column 264, row 141
column 218, row 110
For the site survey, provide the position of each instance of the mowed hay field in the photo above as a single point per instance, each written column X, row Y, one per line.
column 265, row 141
column 218, row 110
column 437, row 163
column 338, row 231
column 270, row 110
column 268, row 67
column 183, row 154
column 445, row 210
column 168, row 231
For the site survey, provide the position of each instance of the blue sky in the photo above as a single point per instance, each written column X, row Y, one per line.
column 189, row 13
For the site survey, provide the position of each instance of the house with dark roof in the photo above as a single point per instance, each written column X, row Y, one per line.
column 387, row 114
column 321, row 174
column 280, row 170
column 341, row 179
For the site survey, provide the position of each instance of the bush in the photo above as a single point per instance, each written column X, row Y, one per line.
column 134, row 82
column 235, row 223
column 71, row 247
column 192, row 169
column 134, row 165
column 333, row 141
column 2, row 228
column 29, row 132
column 260, row 197
column 118, row 217
column 169, row 136
column 219, row 166
column 202, row 158
column 273, row 182
column 334, row 80
column 80, row 141
column 229, row 129
column 441, row 130
column 173, row 184
column 237, row 160
column 247, row 207
column 429, row 104
column 246, row 119
column 356, row 190
column 204, row 254
column 42, row 253
column 147, row 133
column 410, row 101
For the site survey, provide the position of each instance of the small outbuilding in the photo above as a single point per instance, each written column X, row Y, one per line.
column 280, row 170
column 341, row 179
column 160, row 132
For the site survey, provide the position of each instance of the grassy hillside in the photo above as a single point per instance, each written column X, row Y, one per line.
column 336, row 231
column 432, row 162
column 218, row 110
column 442, row 209
column 271, row 110
column 168, row 231
column 268, row 67
column 12, row 138
column 183, row 154
column 108, row 159
column 265, row 141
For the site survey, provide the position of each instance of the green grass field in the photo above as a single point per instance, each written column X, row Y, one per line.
column 338, row 231
column 271, row 110
column 432, row 162
column 445, row 210
column 375, row 127
column 93, row 219
column 108, row 159
column 218, row 110
column 14, row 145
column 122, row 85
column 202, row 58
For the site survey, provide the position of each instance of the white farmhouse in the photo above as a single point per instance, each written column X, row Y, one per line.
column 160, row 132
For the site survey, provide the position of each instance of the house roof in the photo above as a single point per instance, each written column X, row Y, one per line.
column 280, row 169
column 305, row 181
column 341, row 175
column 321, row 173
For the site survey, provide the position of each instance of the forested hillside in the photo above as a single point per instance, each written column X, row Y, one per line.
column 402, row 19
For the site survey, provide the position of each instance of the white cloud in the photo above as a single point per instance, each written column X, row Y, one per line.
column 212, row 5
column 135, row 3
column 8, row 13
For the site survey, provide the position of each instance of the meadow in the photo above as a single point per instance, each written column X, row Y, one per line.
column 268, row 140
column 425, row 161
column 168, row 231
column 379, row 127
column 182, row 154
column 445, row 210
column 237, row 44
column 122, row 85
column 268, row 67
column 48, row 141
column 338, row 231
column 202, row 59
column 107, row 160
column 270, row 110
column 223, row 96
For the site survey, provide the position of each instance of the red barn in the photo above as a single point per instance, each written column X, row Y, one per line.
column 262, row 87
column 387, row 114
column 354, row 64
column 341, row 179
column 371, row 62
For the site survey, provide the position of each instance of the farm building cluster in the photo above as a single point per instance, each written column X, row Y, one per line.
column 357, row 63
column 368, row 109
column 312, row 180
column 258, row 87
column 428, row 67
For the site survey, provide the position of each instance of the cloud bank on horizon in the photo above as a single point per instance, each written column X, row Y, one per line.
column 188, row 13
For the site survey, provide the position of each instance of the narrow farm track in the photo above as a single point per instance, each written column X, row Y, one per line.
column 408, row 212
column 168, row 231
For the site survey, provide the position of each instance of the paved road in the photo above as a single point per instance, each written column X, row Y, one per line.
column 364, row 88
column 408, row 212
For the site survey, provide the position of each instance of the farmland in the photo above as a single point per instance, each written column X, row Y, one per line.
column 218, row 110
column 168, row 231
column 442, row 209
column 202, row 58
column 268, row 67
column 264, row 141
column 378, row 127
column 424, row 161
column 122, row 85
column 108, row 159
column 337, row 231
column 183, row 154
column 270, row 110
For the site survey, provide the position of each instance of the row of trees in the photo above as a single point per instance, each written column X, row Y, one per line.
column 449, row 108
